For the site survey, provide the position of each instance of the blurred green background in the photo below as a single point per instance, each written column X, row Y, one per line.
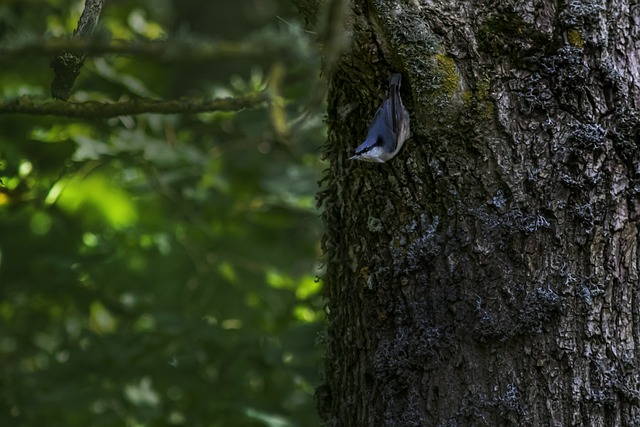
column 161, row 269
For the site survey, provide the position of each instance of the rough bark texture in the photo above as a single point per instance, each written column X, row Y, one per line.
column 488, row 275
column 67, row 65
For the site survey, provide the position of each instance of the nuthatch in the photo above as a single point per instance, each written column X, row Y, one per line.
column 388, row 130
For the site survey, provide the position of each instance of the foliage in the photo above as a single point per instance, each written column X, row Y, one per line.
column 160, row 270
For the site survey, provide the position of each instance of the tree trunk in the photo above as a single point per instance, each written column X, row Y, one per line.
column 488, row 274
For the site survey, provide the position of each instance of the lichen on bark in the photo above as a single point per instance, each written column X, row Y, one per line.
column 501, row 281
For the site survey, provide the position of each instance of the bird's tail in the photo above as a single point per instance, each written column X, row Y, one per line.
column 394, row 81
column 396, row 102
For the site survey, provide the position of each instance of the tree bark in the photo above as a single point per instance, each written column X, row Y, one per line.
column 487, row 275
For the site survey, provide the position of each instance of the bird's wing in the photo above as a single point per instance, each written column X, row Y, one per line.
column 381, row 127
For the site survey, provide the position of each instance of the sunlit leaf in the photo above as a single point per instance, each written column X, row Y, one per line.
column 227, row 271
column 305, row 314
column 93, row 197
column 100, row 319
column 308, row 286
column 268, row 419
column 278, row 280
column 142, row 393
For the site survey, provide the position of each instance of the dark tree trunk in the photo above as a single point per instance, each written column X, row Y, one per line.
column 487, row 275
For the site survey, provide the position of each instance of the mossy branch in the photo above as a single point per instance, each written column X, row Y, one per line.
column 159, row 50
column 102, row 110
column 66, row 66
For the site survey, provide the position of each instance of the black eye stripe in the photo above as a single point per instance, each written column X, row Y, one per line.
column 379, row 143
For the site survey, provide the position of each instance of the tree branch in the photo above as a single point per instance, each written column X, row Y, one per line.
column 67, row 65
column 189, row 50
column 101, row 110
